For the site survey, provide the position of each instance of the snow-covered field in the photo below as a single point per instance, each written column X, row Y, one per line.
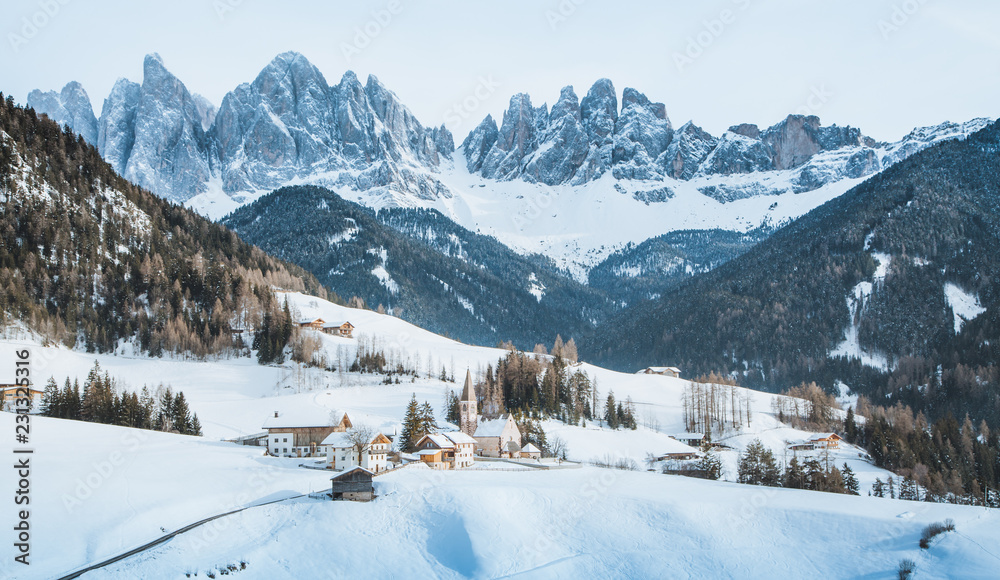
column 98, row 490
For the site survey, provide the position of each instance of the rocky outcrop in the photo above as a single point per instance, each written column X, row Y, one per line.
column 170, row 151
column 71, row 107
column 688, row 148
column 642, row 133
column 116, row 129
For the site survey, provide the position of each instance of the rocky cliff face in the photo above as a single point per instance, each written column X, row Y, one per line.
column 71, row 106
column 170, row 150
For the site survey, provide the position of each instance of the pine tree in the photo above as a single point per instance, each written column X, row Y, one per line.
column 850, row 480
column 51, row 404
column 408, row 434
column 611, row 411
column 795, row 475
column 180, row 415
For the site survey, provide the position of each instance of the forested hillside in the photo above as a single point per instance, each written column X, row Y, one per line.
column 646, row 271
column 89, row 259
column 912, row 247
column 420, row 266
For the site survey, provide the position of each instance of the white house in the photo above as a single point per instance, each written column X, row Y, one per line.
column 300, row 432
column 492, row 437
column 450, row 450
column 341, row 453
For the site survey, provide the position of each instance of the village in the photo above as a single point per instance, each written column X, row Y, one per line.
column 360, row 453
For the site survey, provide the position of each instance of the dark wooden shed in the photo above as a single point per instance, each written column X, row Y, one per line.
column 354, row 484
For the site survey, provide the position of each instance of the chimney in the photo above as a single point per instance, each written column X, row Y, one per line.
column 275, row 414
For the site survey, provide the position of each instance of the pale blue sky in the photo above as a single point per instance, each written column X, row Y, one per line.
column 884, row 66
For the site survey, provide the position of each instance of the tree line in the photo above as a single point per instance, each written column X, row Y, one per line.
column 104, row 400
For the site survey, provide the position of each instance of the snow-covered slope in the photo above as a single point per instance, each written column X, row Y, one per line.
column 125, row 488
column 102, row 490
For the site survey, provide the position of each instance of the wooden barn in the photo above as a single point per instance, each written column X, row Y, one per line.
column 355, row 485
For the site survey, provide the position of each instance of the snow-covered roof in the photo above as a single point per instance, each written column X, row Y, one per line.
column 688, row 436
column 492, row 428
column 428, row 452
column 457, row 437
column 338, row 439
column 439, row 440
column 335, row 324
column 311, row 416
column 309, row 320
column 352, row 470
column 529, row 448
column 824, row 436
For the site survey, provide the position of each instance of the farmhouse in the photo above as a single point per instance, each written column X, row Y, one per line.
column 301, row 433
column 342, row 453
column 313, row 323
column 344, row 329
column 493, row 436
column 355, row 484
column 692, row 439
column 663, row 371
column 9, row 394
column 451, row 450
column 826, row 441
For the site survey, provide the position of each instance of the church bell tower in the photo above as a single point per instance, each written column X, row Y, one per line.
column 467, row 413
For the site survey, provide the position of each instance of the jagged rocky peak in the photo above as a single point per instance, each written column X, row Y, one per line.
column 689, row 147
column 71, row 107
column 747, row 130
column 516, row 138
column 563, row 142
column 116, row 129
column 478, row 142
column 642, row 133
column 169, row 154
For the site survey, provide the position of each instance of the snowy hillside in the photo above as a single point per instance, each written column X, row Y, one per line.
column 106, row 497
column 110, row 495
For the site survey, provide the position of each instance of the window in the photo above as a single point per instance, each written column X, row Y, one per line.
column 285, row 440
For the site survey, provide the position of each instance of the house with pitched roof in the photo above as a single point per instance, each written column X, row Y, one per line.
column 450, row 450
column 300, row 432
column 342, row 453
column 494, row 436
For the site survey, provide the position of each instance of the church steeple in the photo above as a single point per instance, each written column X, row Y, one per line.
column 467, row 412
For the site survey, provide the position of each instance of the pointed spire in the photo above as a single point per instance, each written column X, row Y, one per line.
column 468, row 392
